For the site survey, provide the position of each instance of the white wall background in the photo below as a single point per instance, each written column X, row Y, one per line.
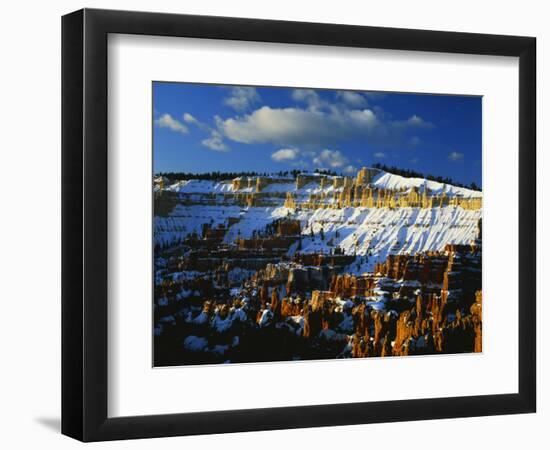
column 30, row 221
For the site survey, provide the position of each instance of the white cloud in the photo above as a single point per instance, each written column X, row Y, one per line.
column 190, row 119
column 215, row 142
column 324, row 159
column 418, row 121
column 330, row 158
column 298, row 127
column 379, row 155
column 167, row 121
column 455, row 156
column 351, row 98
column 242, row 98
column 285, row 154
column 415, row 160
column 313, row 126
column 308, row 96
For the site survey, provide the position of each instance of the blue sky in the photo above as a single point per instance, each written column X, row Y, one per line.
column 202, row 128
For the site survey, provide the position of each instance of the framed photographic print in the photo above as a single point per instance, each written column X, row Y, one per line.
column 274, row 224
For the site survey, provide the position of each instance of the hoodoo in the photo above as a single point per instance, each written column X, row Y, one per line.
column 314, row 266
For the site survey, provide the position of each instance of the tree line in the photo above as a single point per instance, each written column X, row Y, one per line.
column 218, row 176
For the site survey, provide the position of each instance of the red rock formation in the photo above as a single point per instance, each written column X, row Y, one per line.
column 403, row 333
column 275, row 304
column 312, row 322
column 288, row 227
column 320, row 314
column 319, row 298
column 360, row 347
column 291, row 307
column 476, row 311
column 267, row 243
column 383, row 324
column 345, row 286
column 421, row 321
column 386, row 346
column 263, row 296
column 426, row 268
column 362, row 321
column 439, row 312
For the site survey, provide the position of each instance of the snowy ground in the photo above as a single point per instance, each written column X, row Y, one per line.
column 383, row 180
column 391, row 181
column 370, row 232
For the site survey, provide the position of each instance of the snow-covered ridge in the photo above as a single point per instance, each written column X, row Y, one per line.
column 357, row 230
column 376, row 232
column 318, row 184
column 201, row 187
column 388, row 180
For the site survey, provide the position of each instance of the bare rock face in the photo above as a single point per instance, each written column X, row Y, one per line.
column 361, row 347
column 274, row 274
column 312, row 322
column 437, row 305
column 345, row 286
column 421, row 321
column 403, row 335
column 426, row 268
column 321, row 313
column 316, row 277
column 291, row 306
column 275, row 304
column 288, row 227
column 362, row 321
column 475, row 310
column 301, row 280
column 383, row 324
column 387, row 346
column 263, row 295
column 297, row 280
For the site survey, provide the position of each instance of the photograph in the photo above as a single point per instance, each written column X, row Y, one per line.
column 267, row 225
column 308, row 224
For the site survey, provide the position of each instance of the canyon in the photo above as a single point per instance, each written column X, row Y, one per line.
column 273, row 268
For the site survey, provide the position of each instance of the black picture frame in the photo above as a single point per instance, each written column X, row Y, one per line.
column 84, row 224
